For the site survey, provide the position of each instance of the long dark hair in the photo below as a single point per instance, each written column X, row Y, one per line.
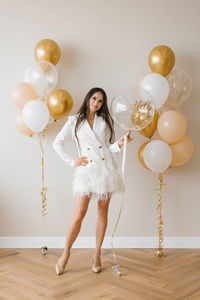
column 103, row 112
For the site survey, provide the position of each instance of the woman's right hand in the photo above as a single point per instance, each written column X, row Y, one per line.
column 81, row 161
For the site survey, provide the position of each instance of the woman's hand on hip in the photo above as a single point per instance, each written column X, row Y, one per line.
column 81, row 161
column 129, row 138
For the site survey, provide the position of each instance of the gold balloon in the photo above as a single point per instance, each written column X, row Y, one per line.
column 59, row 103
column 140, row 155
column 161, row 60
column 151, row 128
column 47, row 50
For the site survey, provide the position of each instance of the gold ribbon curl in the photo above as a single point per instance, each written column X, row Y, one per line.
column 159, row 250
column 40, row 137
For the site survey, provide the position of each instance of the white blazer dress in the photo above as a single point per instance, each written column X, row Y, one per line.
column 102, row 174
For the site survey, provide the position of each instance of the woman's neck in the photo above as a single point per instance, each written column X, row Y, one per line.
column 91, row 115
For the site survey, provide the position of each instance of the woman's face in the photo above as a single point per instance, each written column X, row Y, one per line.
column 96, row 101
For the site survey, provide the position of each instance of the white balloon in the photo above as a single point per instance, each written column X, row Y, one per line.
column 157, row 156
column 42, row 76
column 35, row 115
column 157, row 86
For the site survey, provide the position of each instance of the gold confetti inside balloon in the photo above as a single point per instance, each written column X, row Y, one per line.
column 180, row 87
column 132, row 109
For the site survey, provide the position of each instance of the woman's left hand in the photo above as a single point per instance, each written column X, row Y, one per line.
column 121, row 140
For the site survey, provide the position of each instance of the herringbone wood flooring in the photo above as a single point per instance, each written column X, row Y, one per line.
column 27, row 274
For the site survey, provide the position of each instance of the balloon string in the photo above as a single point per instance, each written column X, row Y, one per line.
column 40, row 139
column 159, row 210
column 44, row 188
column 116, row 266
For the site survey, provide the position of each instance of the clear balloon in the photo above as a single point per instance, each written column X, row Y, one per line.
column 180, row 87
column 157, row 156
column 35, row 115
column 131, row 111
column 43, row 77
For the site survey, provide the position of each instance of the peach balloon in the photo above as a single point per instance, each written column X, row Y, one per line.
column 171, row 126
column 21, row 127
column 182, row 151
column 22, row 93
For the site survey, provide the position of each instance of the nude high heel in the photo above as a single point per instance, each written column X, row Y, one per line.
column 96, row 269
column 59, row 269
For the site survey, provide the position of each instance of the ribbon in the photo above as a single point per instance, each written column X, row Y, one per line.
column 116, row 266
column 40, row 141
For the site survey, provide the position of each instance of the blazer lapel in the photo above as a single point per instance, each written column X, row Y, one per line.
column 96, row 126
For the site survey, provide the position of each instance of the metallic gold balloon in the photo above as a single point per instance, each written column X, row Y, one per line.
column 59, row 103
column 161, row 60
column 47, row 50
column 151, row 128
column 140, row 155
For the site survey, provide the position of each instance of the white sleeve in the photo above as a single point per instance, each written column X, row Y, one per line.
column 112, row 147
column 58, row 143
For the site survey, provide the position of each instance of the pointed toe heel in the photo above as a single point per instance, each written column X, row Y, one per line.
column 95, row 269
column 59, row 271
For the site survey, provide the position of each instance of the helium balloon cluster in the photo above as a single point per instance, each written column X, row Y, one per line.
column 36, row 98
column 151, row 108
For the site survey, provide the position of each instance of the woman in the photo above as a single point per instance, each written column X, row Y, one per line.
column 96, row 173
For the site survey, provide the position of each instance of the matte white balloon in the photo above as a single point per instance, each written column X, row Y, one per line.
column 157, row 86
column 157, row 156
column 35, row 115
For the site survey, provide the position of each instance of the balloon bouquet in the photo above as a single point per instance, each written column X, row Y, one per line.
column 39, row 103
column 149, row 109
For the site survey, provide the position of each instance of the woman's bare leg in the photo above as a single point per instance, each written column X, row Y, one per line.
column 101, row 225
column 81, row 206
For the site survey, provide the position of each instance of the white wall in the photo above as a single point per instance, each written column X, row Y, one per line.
column 106, row 44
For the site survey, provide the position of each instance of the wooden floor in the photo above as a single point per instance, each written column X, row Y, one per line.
column 27, row 274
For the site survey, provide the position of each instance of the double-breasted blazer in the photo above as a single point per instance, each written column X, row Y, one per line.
column 101, row 174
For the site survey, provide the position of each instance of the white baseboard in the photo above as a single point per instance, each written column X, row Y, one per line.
column 89, row 242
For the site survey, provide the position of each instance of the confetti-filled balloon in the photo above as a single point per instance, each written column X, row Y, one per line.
column 131, row 110
column 180, row 87
column 43, row 77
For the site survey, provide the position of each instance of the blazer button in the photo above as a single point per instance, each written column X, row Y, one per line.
column 88, row 148
column 90, row 160
column 103, row 158
column 100, row 147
